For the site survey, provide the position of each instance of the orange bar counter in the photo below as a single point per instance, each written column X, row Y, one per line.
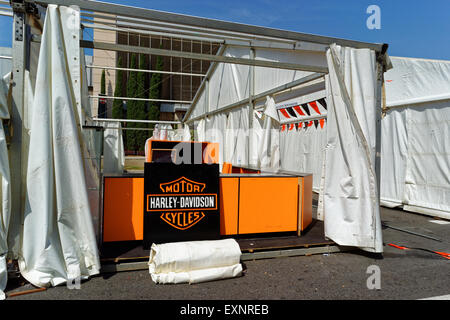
column 249, row 204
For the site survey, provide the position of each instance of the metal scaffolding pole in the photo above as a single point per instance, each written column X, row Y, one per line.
column 97, row 25
column 136, row 121
column 192, row 21
column 199, row 56
column 184, row 29
column 17, row 149
column 148, row 71
column 140, row 99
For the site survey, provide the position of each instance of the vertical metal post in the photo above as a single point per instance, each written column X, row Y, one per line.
column 17, row 152
column 379, row 110
column 251, row 93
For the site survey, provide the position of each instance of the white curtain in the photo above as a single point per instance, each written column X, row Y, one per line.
column 269, row 146
column 5, row 192
column 58, row 237
column 415, row 161
column 113, row 149
column 350, row 199
column 215, row 128
column 237, row 136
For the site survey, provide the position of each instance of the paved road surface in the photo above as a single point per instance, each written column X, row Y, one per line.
column 404, row 275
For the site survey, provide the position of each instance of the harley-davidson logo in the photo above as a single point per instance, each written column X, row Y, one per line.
column 182, row 202
column 182, row 220
column 182, row 185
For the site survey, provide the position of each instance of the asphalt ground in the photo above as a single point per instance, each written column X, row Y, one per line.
column 403, row 274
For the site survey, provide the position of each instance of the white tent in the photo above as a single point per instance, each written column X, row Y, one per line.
column 238, row 104
column 415, row 167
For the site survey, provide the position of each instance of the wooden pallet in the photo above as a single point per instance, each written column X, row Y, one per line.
column 129, row 256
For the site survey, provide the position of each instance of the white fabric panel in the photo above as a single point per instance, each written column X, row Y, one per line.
column 415, row 147
column 200, row 130
column 58, row 237
column 5, row 193
column 237, row 136
column 256, row 136
column 215, row 128
column 268, row 78
column 427, row 178
column 113, row 149
column 269, row 146
column 394, row 152
column 229, row 82
column 351, row 208
column 291, row 159
column 416, row 80
column 186, row 133
column 194, row 261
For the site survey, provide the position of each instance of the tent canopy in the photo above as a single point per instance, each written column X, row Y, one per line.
column 415, row 131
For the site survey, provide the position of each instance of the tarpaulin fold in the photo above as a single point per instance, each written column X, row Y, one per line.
column 5, row 191
column 58, row 241
column 351, row 208
column 194, row 261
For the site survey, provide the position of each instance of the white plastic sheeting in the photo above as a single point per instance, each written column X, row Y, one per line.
column 303, row 148
column 415, row 154
column 269, row 142
column 237, row 137
column 5, row 192
column 412, row 81
column 195, row 261
column 229, row 83
column 113, row 149
column 58, row 238
column 351, row 209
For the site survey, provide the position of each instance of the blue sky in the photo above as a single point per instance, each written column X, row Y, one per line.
column 413, row 28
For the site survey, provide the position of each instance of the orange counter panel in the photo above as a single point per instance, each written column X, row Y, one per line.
column 123, row 209
column 268, row 204
column 247, row 205
column 229, row 205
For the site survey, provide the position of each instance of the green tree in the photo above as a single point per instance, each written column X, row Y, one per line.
column 117, row 108
column 132, row 112
column 103, row 83
column 141, row 114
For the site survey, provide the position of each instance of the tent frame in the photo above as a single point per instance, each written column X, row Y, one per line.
column 27, row 12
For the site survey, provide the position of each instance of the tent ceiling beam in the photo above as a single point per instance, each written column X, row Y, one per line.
column 147, row 71
column 149, row 14
column 148, row 32
column 136, row 121
column 140, row 99
column 201, row 56
column 260, row 96
column 176, row 28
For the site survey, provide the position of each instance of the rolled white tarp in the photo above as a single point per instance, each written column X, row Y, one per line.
column 58, row 243
column 195, row 261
